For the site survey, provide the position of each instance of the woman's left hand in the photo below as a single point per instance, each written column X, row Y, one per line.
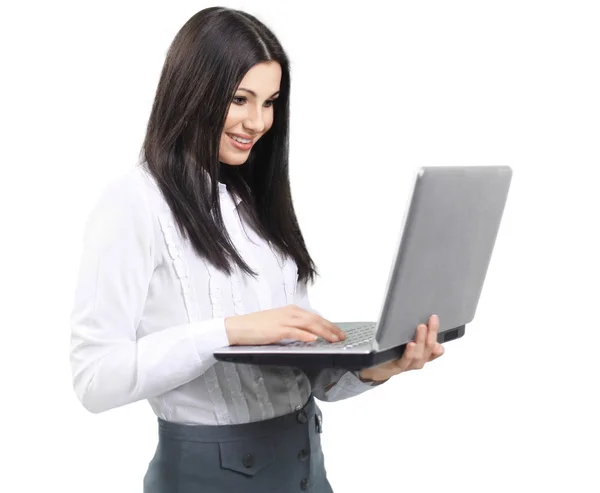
column 424, row 349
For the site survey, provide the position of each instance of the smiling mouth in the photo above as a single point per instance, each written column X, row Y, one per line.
column 240, row 140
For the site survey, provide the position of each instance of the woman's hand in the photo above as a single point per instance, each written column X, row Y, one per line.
column 424, row 349
column 271, row 326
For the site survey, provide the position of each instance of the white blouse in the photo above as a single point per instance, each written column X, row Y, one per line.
column 149, row 312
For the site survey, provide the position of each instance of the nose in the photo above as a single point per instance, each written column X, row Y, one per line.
column 255, row 121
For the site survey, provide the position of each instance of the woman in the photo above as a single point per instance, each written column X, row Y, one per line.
column 197, row 248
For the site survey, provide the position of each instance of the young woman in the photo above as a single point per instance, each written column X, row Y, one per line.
column 198, row 247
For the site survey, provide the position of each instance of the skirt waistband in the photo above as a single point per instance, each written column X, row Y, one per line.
column 224, row 433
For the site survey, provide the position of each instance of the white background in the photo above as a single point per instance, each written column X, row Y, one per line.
column 379, row 88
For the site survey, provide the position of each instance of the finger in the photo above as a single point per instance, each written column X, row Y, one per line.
column 434, row 326
column 420, row 340
column 309, row 318
column 418, row 353
column 413, row 350
column 407, row 358
column 432, row 331
column 296, row 334
column 437, row 352
column 333, row 333
column 334, row 329
column 310, row 322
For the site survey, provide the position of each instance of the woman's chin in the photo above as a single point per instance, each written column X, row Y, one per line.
column 234, row 160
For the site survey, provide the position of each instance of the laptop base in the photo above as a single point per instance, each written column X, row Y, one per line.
column 348, row 361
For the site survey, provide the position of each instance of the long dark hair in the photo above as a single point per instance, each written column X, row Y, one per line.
column 205, row 64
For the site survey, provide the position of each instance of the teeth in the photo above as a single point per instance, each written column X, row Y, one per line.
column 240, row 140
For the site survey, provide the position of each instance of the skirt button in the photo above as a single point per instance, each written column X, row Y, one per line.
column 304, row 484
column 248, row 461
column 303, row 455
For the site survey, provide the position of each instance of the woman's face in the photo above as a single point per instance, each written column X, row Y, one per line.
column 250, row 114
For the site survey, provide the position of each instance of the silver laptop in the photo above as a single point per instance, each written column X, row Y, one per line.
column 448, row 235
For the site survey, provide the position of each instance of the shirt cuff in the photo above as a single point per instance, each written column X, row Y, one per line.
column 209, row 335
column 350, row 382
column 370, row 384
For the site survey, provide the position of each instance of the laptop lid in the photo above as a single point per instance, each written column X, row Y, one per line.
column 446, row 243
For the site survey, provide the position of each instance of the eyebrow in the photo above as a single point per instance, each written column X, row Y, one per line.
column 254, row 94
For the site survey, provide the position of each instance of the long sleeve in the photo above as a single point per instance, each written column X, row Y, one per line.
column 330, row 384
column 110, row 366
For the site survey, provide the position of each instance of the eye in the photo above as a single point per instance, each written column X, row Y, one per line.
column 239, row 100
column 269, row 103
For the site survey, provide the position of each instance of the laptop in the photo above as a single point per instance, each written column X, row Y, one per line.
column 446, row 243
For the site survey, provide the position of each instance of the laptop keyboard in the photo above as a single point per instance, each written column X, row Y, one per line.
column 355, row 336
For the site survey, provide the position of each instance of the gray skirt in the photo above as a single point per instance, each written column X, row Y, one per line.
column 277, row 455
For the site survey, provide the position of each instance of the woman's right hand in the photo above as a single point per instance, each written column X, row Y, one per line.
column 272, row 326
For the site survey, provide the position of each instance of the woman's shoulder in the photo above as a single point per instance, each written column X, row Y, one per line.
column 131, row 196
column 133, row 188
column 124, row 216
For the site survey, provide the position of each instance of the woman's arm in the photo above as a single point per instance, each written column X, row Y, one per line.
column 330, row 384
column 110, row 366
